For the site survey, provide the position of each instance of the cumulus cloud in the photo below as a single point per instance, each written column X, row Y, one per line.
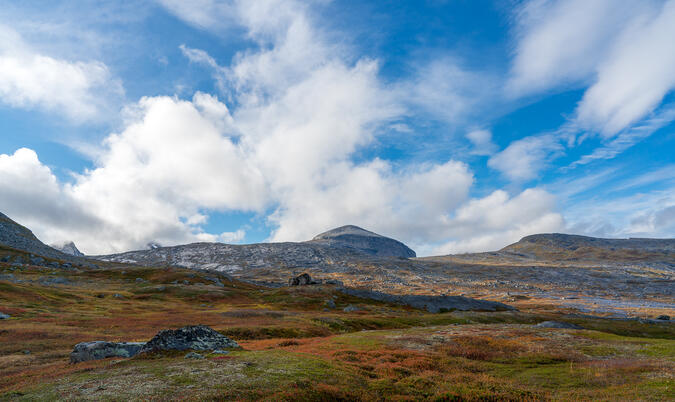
column 302, row 108
column 523, row 159
column 81, row 90
column 496, row 220
column 482, row 142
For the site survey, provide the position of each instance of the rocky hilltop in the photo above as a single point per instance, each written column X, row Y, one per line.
column 566, row 247
column 351, row 236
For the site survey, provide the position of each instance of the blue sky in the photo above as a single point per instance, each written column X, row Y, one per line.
column 454, row 126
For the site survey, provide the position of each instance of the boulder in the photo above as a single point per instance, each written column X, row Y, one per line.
column 300, row 280
column 97, row 350
column 350, row 308
column 4, row 316
column 193, row 355
column 194, row 337
column 663, row 317
column 558, row 324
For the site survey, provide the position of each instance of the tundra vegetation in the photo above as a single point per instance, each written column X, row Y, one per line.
column 303, row 343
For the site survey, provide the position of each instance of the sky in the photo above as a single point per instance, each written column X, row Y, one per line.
column 454, row 126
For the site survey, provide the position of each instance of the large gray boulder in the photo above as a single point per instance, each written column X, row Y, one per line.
column 97, row 350
column 194, row 337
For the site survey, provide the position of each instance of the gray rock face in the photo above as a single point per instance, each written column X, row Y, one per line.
column 68, row 248
column 351, row 236
column 433, row 304
column 197, row 337
column 97, row 350
column 558, row 324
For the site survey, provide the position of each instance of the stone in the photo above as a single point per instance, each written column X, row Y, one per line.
column 350, row 308
column 97, row 350
column 118, row 296
column 4, row 316
column 140, row 280
column 330, row 303
column 663, row 317
column 558, row 324
column 193, row 355
column 220, row 352
column 194, row 337
column 300, row 280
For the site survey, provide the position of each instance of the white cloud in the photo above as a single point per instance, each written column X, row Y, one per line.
column 562, row 42
column 482, row 142
column 635, row 76
column 523, row 159
column 210, row 14
column 497, row 220
column 80, row 90
column 622, row 50
column 232, row 237
column 303, row 107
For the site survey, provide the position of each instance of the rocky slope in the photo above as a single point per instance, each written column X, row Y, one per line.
column 21, row 238
column 337, row 248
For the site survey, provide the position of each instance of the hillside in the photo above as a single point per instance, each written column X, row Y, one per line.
column 565, row 249
column 335, row 250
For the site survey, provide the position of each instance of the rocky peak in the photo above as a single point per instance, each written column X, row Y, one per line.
column 68, row 248
column 351, row 236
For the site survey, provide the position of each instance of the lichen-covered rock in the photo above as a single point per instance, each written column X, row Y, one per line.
column 97, row 350
column 194, row 337
column 558, row 324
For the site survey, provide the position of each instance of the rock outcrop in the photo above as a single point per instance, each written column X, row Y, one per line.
column 97, row 350
column 351, row 236
column 196, row 337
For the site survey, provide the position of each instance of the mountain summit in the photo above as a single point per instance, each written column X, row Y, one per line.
column 366, row 241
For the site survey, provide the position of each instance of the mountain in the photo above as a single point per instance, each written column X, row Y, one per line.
column 68, row 248
column 336, row 249
column 21, row 238
column 351, row 236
